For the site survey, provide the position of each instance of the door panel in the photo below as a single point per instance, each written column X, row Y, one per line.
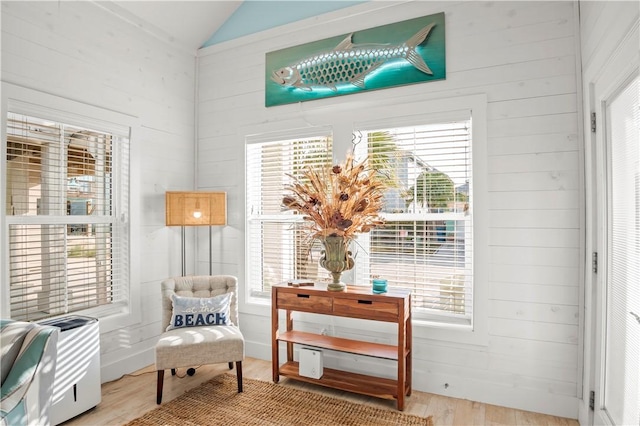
column 621, row 364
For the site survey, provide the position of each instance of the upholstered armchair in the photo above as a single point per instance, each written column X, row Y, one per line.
column 28, row 364
column 200, row 325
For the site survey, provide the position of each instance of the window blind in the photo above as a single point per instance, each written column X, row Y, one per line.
column 622, row 338
column 278, row 249
column 67, row 199
column 426, row 243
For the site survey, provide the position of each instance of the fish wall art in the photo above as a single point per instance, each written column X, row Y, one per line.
column 398, row 54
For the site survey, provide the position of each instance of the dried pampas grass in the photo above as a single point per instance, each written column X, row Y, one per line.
column 342, row 200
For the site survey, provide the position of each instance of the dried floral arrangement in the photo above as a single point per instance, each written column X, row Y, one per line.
column 343, row 200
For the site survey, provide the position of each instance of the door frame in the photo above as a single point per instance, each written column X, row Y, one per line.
column 616, row 73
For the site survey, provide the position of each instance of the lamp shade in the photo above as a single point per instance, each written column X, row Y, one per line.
column 195, row 208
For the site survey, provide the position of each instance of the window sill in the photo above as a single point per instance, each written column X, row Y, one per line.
column 110, row 318
column 455, row 333
column 423, row 329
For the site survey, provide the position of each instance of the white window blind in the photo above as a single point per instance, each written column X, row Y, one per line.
column 622, row 343
column 426, row 243
column 66, row 209
column 277, row 248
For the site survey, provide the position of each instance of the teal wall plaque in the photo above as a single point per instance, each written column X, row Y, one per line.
column 398, row 54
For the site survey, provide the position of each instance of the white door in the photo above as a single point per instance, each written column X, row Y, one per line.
column 618, row 375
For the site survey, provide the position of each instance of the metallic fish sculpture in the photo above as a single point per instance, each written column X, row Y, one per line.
column 349, row 63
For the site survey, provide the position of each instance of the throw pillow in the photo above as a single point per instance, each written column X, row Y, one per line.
column 198, row 311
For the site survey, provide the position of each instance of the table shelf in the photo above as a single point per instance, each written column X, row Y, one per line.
column 356, row 347
column 346, row 381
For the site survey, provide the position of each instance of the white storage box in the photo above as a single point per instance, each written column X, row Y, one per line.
column 311, row 363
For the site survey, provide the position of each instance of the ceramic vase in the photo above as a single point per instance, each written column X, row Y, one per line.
column 336, row 258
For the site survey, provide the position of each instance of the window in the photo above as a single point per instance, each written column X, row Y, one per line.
column 434, row 220
column 67, row 192
column 277, row 248
column 426, row 242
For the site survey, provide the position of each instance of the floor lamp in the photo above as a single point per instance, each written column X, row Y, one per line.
column 195, row 208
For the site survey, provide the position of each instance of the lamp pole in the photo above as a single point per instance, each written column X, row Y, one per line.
column 184, row 252
column 210, row 253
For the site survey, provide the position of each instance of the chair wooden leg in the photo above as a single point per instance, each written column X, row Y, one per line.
column 159, row 388
column 230, row 365
column 239, row 374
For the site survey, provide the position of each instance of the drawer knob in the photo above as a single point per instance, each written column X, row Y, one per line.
column 305, row 296
column 366, row 302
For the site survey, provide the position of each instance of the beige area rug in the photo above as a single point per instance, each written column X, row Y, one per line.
column 217, row 402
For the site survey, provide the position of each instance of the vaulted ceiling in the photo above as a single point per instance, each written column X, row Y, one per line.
column 191, row 25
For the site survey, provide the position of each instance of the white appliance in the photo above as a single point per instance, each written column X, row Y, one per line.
column 76, row 386
column 311, row 364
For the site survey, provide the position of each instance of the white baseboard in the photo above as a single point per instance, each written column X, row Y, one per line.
column 585, row 415
column 470, row 389
column 119, row 368
column 257, row 350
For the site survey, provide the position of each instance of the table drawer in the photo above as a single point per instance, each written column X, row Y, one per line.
column 305, row 302
column 366, row 308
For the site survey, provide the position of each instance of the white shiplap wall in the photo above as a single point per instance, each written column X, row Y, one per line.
column 78, row 50
column 523, row 56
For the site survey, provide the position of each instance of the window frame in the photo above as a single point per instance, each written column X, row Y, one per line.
column 34, row 103
column 397, row 114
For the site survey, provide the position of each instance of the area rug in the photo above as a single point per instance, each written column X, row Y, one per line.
column 217, row 402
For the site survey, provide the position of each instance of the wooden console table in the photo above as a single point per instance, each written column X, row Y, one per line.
column 355, row 302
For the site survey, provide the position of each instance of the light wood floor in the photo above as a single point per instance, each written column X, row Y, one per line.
column 133, row 395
